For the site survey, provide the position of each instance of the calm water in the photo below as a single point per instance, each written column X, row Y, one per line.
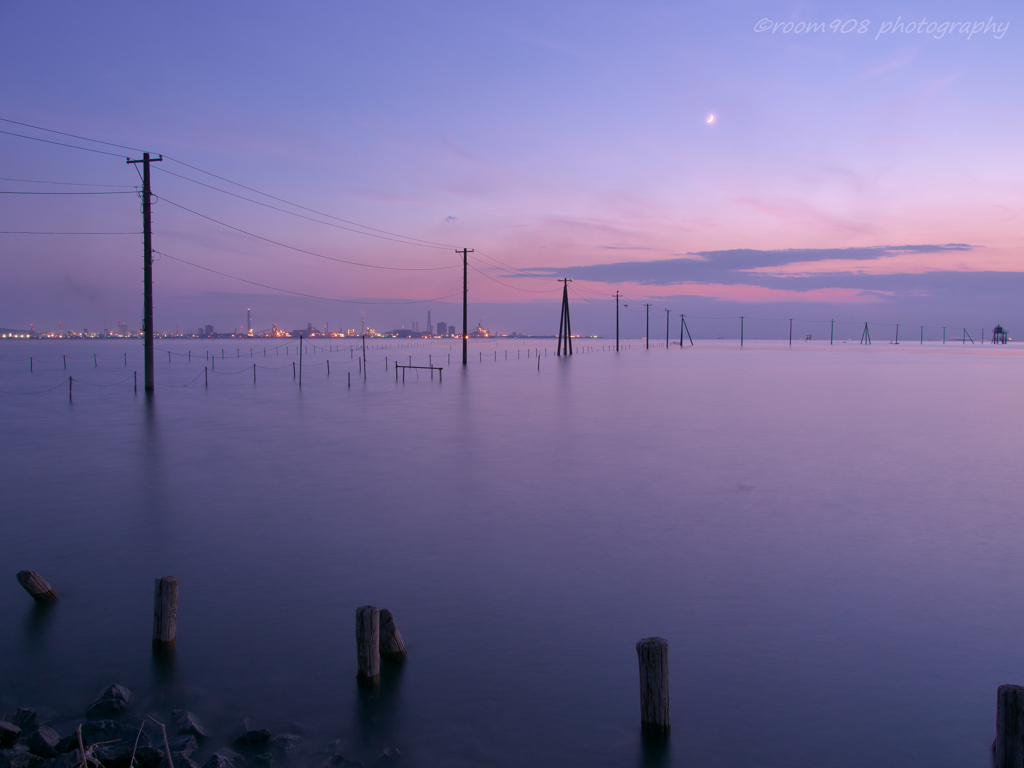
column 829, row 538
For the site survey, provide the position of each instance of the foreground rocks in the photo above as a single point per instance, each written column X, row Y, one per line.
column 112, row 738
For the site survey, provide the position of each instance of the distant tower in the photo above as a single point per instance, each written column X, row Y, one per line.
column 248, row 321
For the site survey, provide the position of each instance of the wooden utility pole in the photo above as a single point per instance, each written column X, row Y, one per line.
column 147, row 269
column 791, row 331
column 831, row 333
column 563, row 322
column 465, row 304
column 647, row 338
column 667, row 316
column 741, row 330
column 682, row 320
column 616, row 321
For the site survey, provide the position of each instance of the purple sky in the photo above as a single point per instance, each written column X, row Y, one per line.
column 872, row 175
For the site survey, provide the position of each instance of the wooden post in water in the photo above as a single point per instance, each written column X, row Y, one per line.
column 368, row 644
column 391, row 645
column 791, row 331
column 741, row 330
column 165, row 613
column 652, row 653
column 1008, row 748
column 36, row 586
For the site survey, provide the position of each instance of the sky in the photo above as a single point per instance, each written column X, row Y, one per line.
column 863, row 163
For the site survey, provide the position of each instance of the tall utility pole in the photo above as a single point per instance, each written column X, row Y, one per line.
column 147, row 268
column 741, row 330
column 465, row 304
column 682, row 323
column 648, row 336
column 616, row 321
column 667, row 316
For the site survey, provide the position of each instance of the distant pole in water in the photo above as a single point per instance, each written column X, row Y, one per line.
column 741, row 330
column 135, row 380
column 206, row 375
column 616, row 321
column 865, row 337
column 36, row 586
column 293, row 369
column 300, row 359
column 350, row 378
column 831, row 333
column 922, row 334
column 465, row 304
column 1008, row 748
column 791, row 331
column 254, row 373
column 682, row 319
column 368, row 645
column 165, row 613
column 364, row 356
column 667, row 316
column 31, row 362
column 897, row 333
column 943, row 334
column 564, row 326
column 652, row 654
column 70, row 386
column 647, row 338
column 65, row 362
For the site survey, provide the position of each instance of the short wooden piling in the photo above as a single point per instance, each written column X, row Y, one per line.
column 165, row 613
column 391, row 645
column 368, row 644
column 36, row 586
column 1008, row 748
column 652, row 653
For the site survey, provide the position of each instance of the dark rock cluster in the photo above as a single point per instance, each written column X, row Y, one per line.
column 111, row 738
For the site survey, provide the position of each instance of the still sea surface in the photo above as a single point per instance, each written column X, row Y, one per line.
column 830, row 538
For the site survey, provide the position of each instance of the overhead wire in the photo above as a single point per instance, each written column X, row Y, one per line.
column 299, row 293
column 393, row 239
column 303, row 250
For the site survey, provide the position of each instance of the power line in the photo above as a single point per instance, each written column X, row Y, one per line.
column 302, row 250
column 61, row 143
column 12, row 232
column 299, row 293
column 71, row 135
column 304, row 208
column 308, row 218
column 527, row 290
column 66, row 183
column 7, row 192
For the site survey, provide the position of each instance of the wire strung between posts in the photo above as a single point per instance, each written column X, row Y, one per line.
column 307, row 295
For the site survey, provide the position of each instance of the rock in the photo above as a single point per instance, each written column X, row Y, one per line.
column 185, row 762
column 188, row 724
column 253, row 739
column 9, row 734
column 15, row 758
column 23, row 717
column 389, row 756
column 148, row 756
column 218, row 761
column 109, row 733
column 263, row 760
column 335, row 760
column 44, row 742
column 113, row 701
column 71, row 759
column 285, row 745
column 183, row 745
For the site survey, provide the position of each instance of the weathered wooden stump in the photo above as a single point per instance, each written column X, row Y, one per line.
column 652, row 653
column 368, row 644
column 165, row 613
column 391, row 645
column 1008, row 748
column 36, row 586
